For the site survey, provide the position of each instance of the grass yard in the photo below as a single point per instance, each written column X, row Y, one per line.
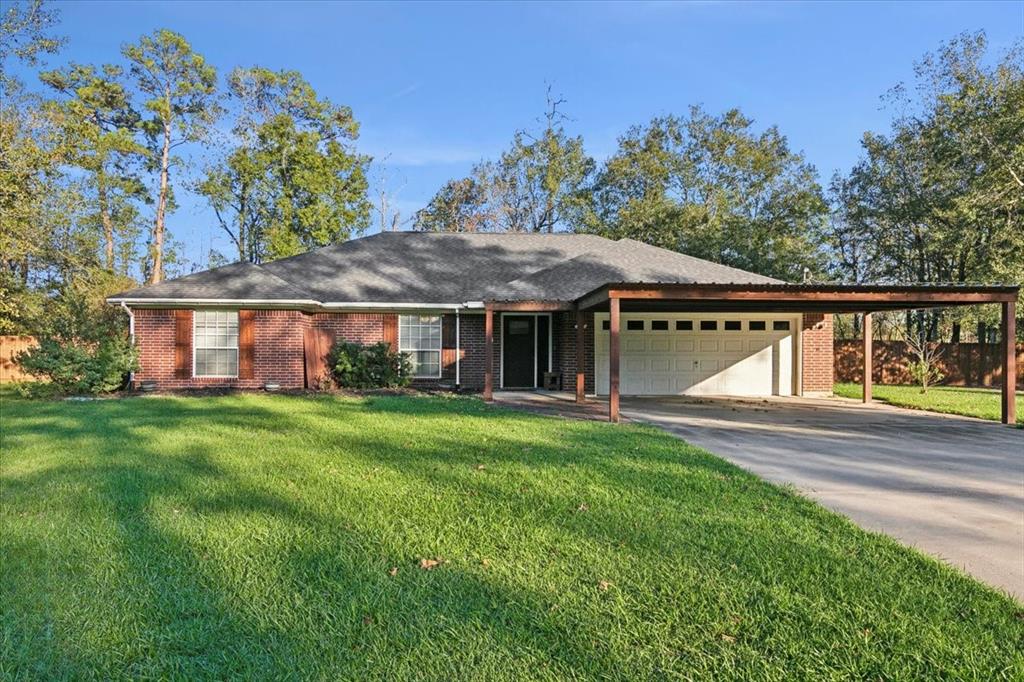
column 984, row 403
column 257, row 536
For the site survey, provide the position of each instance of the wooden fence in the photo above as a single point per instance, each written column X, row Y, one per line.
column 10, row 346
column 964, row 364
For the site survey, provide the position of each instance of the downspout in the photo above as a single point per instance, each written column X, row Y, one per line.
column 458, row 352
column 131, row 334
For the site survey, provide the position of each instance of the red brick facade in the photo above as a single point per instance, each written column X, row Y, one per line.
column 816, row 352
column 279, row 354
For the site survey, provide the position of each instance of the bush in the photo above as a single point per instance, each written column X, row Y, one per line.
column 376, row 366
column 76, row 367
column 83, row 342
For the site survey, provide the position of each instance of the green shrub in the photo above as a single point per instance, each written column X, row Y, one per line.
column 376, row 366
column 77, row 367
column 83, row 342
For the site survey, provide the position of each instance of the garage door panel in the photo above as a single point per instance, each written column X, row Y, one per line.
column 702, row 362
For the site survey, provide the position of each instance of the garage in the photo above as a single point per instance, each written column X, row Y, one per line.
column 741, row 354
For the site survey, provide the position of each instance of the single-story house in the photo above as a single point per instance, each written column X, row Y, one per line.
column 484, row 312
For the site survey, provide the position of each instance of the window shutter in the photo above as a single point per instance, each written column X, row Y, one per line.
column 182, row 344
column 391, row 331
column 246, row 343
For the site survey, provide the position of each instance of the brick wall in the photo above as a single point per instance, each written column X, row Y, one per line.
column 277, row 352
column 564, row 359
column 816, row 350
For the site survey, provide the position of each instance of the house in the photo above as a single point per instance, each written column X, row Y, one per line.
column 483, row 312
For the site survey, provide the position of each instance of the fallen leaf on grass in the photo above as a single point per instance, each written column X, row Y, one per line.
column 603, row 585
column 480, row 467
column 728, row 638
column 485, row 562
column 583, row 507
column 430, row 564
column 393, row 571
column 367, row 620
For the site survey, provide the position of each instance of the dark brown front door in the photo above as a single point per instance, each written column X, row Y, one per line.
column 518, row 349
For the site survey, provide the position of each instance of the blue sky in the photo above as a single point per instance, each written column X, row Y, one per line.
column 438, row 86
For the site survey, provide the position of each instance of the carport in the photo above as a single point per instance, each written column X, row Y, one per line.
column 625, row 297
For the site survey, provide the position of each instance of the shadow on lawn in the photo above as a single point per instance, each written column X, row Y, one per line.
column 168, row 607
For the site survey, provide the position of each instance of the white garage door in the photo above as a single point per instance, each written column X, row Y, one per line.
column 720, row 354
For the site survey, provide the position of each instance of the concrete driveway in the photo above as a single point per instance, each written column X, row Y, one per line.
column 952, row 487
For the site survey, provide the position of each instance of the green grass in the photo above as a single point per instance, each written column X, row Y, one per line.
column 983, row 403
column 253, row 536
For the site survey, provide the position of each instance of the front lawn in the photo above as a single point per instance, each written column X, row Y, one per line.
column 256, row 536
column 983, row 403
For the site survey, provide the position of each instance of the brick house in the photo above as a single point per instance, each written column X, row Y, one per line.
column 484, row 312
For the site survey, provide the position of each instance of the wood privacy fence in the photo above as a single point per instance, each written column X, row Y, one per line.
column 964, row 364
column 10, row 346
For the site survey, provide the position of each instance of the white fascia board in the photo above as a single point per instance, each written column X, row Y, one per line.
column 213, row 301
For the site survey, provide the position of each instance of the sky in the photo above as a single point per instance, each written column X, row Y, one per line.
column 439, row 86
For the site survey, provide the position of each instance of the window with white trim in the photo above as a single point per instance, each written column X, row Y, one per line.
column 419, row 336
column 215, row 343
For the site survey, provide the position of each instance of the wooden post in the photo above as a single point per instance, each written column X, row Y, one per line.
column 867, row 358
column 488, row 352
column 613, row 361
column 1009, row 362
column 581, row 357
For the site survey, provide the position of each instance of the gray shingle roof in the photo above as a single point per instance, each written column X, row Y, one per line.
column 238, row 281
column 450, row 268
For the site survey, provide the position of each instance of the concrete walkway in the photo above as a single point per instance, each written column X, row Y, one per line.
column 950, row 486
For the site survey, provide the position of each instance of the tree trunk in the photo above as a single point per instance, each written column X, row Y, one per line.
column 161, row 208
column 108, row 224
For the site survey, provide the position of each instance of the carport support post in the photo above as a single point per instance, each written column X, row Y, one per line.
column 488, row 352
column 867, row 358
column 580, row 356
column 613, row 361
column 1009, row 362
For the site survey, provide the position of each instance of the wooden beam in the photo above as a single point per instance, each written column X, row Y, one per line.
column 613, row 362
column 488, row 353
column 867, row 358
column 531, row 306
column 581, row 357
column 1010, row 362
column 959, row 296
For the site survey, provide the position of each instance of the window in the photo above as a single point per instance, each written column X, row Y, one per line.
column 684, row 325
column 733, row 325
column 659, row 325
column 420, row 337
column 606, row 325
column 215, row 343
column 708, row 325
column 635, row 325
column 780, row 325
column 756, row 325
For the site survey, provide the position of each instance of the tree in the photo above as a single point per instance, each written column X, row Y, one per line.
column 713, row 188
column 98, row 126
column 25, row 27
column 181, row 88
column 939, row 197
column 290, row 181
column 535, row 186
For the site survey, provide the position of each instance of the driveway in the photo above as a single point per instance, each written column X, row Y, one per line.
column 952, row 487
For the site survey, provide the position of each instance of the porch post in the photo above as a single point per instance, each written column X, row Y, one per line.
column 488, row 352
column 613, row 361
column 1009, row 362
column 580, row 356
column 867, row 358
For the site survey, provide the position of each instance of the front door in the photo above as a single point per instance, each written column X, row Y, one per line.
column 518, row 349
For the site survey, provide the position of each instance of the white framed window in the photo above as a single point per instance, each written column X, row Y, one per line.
column 215, row 343
column 420, row 337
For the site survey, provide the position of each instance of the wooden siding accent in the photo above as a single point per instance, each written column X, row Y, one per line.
column 448, row 331
column 316, row 344
column 391, row 331
column 182, row 344
column 10, row 348
column 246, row 344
